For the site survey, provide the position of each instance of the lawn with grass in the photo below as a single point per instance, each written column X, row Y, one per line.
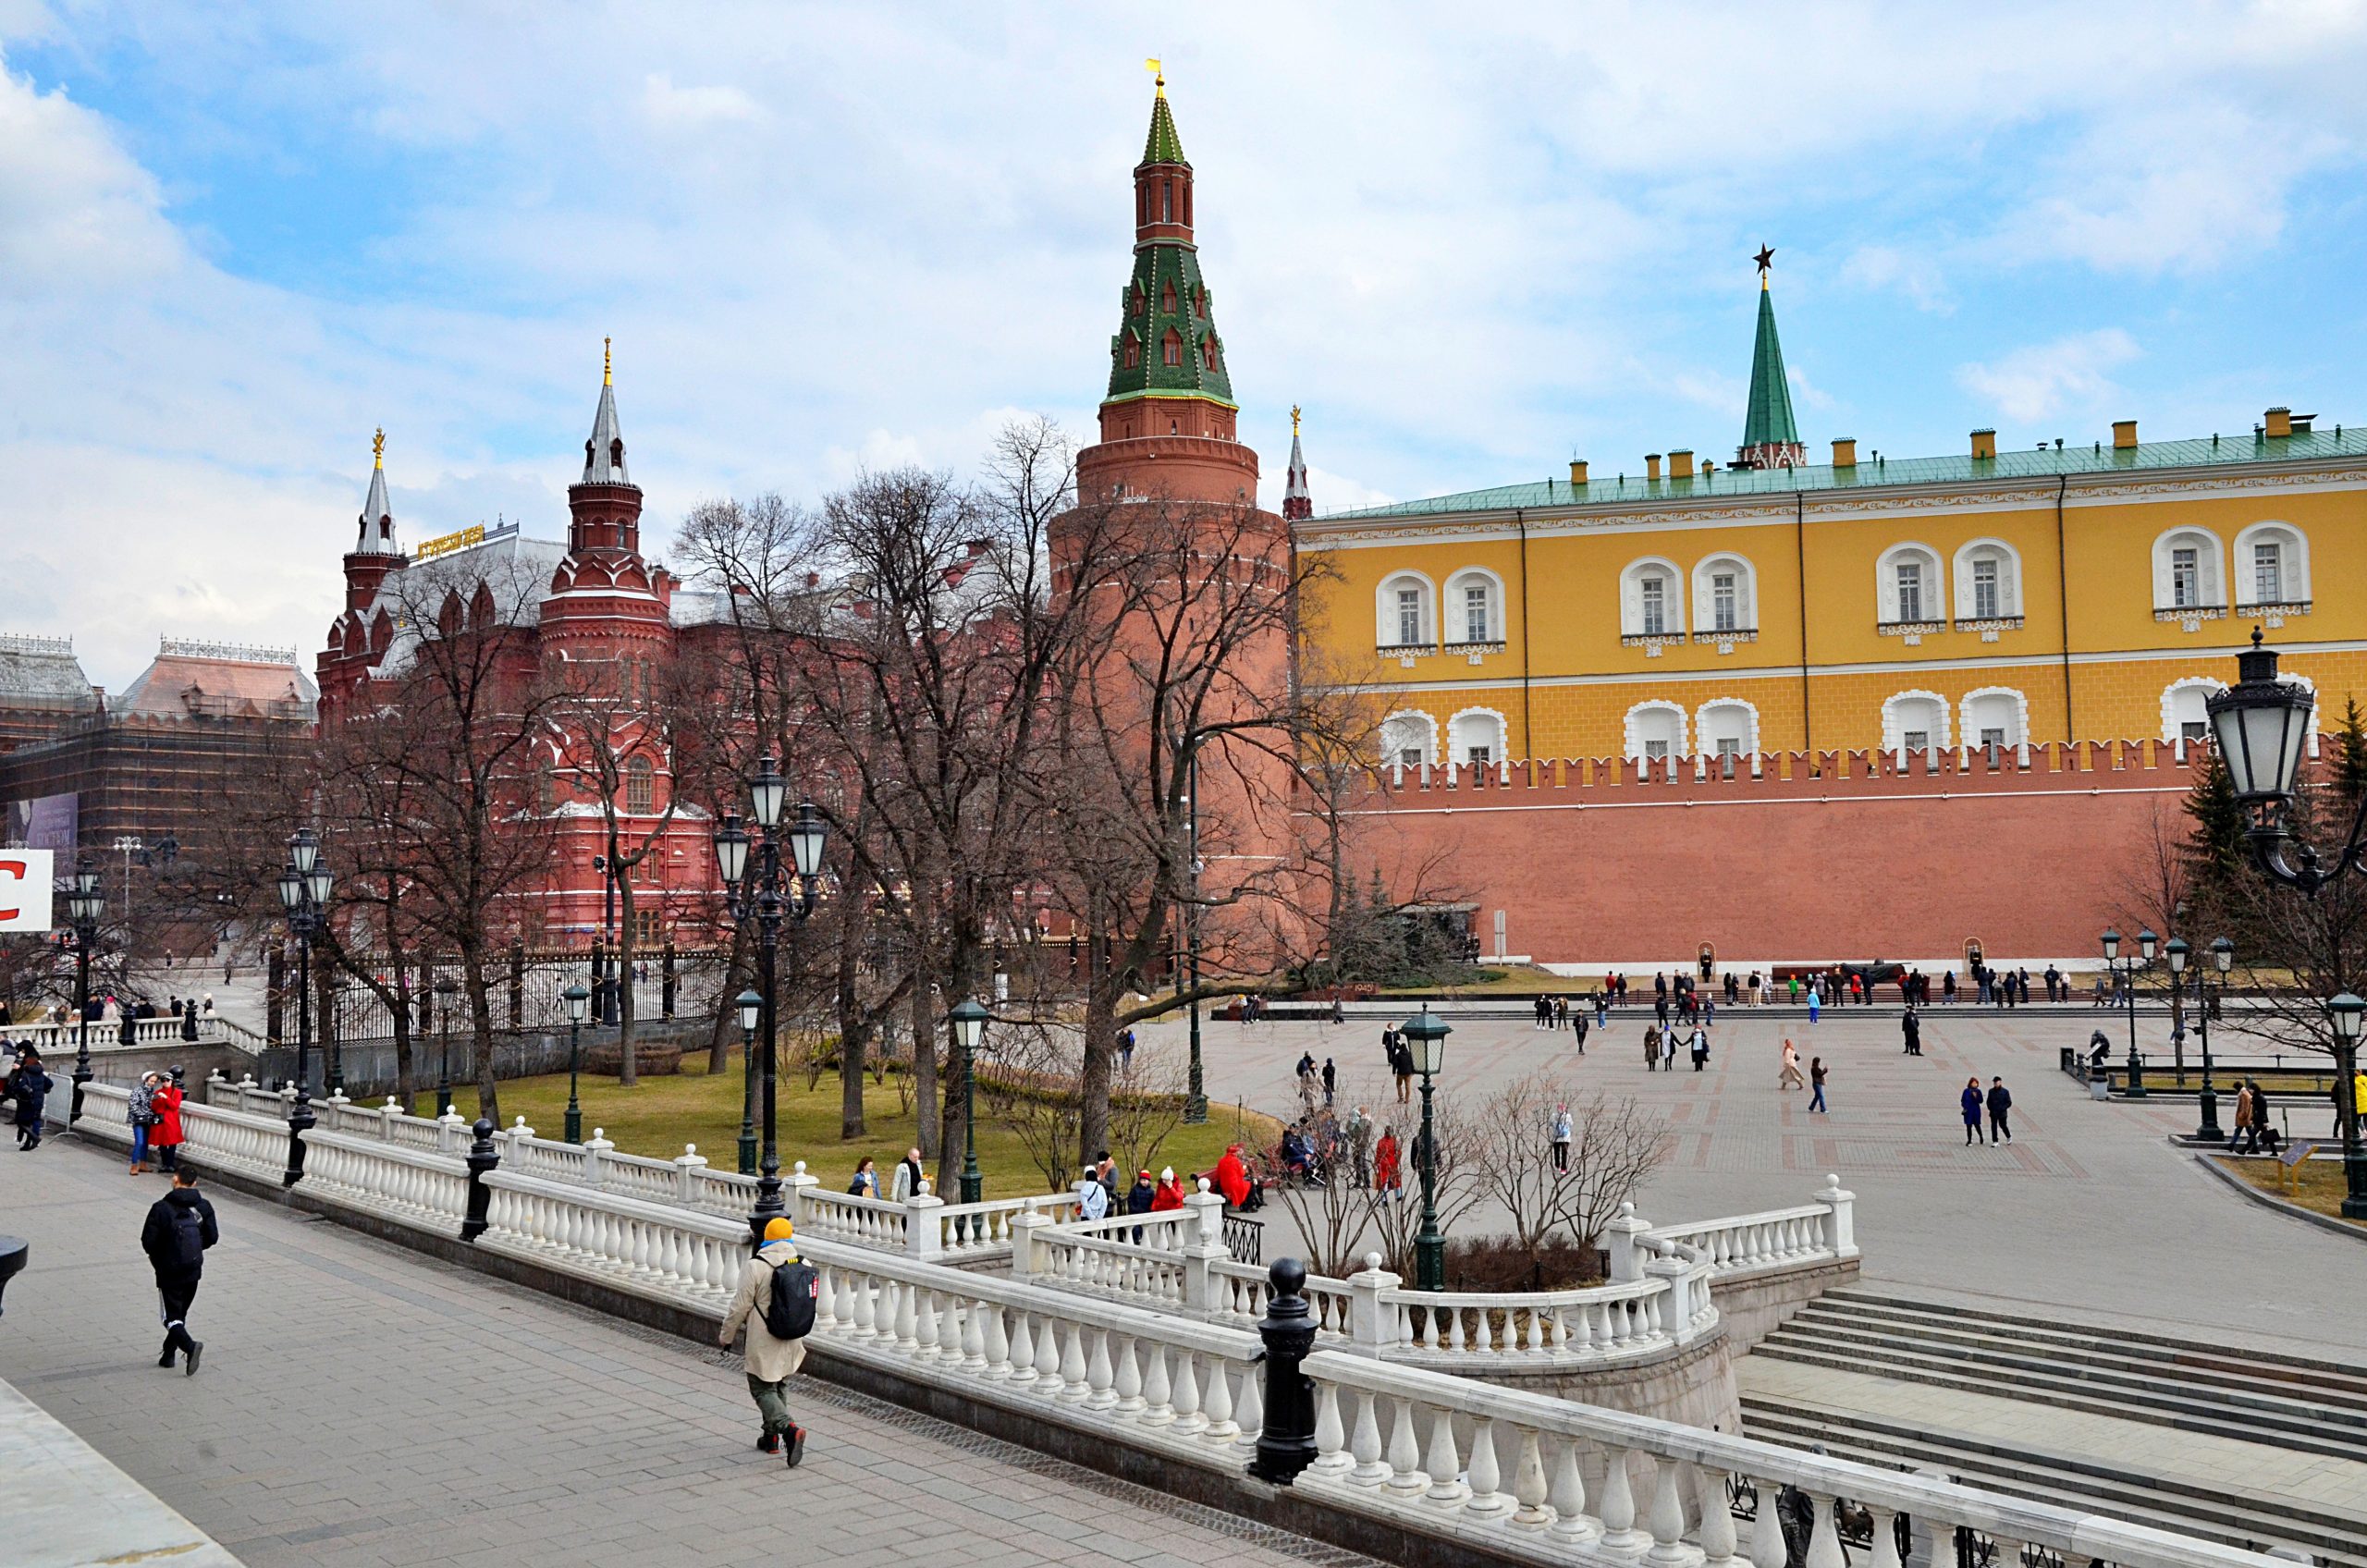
column 660, row 1115
column 2317, row 1186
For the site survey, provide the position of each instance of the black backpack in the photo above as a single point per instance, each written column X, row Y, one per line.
column 189, row 1237
column 789, row 1309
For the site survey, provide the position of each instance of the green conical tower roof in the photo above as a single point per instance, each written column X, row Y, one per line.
column 1166, row 344
column 1163, row 146
column 1770, row 436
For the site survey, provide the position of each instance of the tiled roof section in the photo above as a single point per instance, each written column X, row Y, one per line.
column 1768, row 422
column 1892, row 473
column 1164, row 270
column 1162, row 145
column 184, row 685
column 43, row 672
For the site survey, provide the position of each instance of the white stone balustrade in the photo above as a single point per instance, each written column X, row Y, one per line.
column 232, row 1140
column 417, row 1188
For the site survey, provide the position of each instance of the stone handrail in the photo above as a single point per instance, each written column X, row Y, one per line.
column 851, row 1217
column 52, row 1038
column 1811, row 1234
column 1448, row 1460
column 232, row 1140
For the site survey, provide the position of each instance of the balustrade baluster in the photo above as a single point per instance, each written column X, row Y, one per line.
column 907, row 1335
column 1048, row 1358
column 1885, row 1553
column 1023, row 1349
column 924, row 1325
column 1768, row 1548
column 1126, row 1375
column 1101, row 1378
column 1529, row 1484
column 1405, row 1454
column 994, row 1340
column 1825, row 1541
column 1217, row 1402
column 866, row 1323
column 1365, row 1446
column 1668, row 1515
column 1716, row 1533
column 1073, row 1383
column 1157, row 1410
column 1186, row 1397
column 1447, row 1488
column 1487, row 1476
column 1249, row 1411
column 1618, row 1510
column 1331, row 1451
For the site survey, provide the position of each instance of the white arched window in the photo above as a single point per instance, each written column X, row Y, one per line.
column 1725, row 598
column 2271, row 567
column 1409, row 739
column 1475, row 735
column 1475, row 606
column 1988, row 580
column 1403, row 612
column 1650, row 602
column 1909, row 588
column 1655, row 730
column 1915, row 721
column 2183, row 717
column 1995, row 715
column 1726, row 728
column 2188, row 573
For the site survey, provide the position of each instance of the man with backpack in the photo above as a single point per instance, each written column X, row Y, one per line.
column 775, row 1303
column 180, row 1227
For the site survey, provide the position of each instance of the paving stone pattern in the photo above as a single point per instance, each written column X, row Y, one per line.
column 361, row 1404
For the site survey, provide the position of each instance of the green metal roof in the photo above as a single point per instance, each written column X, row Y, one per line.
column 1768, row 421
column 1873, row 473
column 1162, row 268
column 1163, row 146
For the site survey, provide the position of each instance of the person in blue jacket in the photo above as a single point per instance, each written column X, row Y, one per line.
column 1972, row 1105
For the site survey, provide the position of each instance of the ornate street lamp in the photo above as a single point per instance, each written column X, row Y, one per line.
column 304, row 885
column 83, row 907
column 446, row 990
column 968, row 1020
column 1426, row 1040
column 2349, row 1011
column 2262, row 726
column 752, row 1012
column 2147, row 945
column 763, row 892
column 579, row 1002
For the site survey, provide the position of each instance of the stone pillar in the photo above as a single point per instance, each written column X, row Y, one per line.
column 514, row 1143
column 451, row 1133
column 1619, row 1237
column 1025, row 1258
column 794, row 1188
column 687, row 1165
column 1204, row 1229
column 924, row 1235
column 214, row 1084
column 388, row 1114
column 1841, row 1220
column 1677, row 1302
column 594, row 1148
column 1372, row 1323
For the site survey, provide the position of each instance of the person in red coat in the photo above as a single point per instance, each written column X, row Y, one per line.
column 1386, row 1177
column 166, row 1138
column 1170, row 1194
column 1232, row 1177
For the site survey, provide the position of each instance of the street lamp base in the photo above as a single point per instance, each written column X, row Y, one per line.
column 2208, row 1132
column 747, row 1154
column 2354, row 1209
column 1196, row 1111
column 1430, row 1263
column 574, row 1124
column 974, row 1187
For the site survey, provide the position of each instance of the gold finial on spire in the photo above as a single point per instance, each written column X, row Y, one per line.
column 1158, row 76
column 607, row 363
column 378, row 448
column 1293, row 421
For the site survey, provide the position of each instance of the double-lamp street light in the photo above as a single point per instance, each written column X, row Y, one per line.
column 304, row 886
column 969, row 1021
column 83, row 907
column 2262, row 728
column 763, row 892
column 2223, row 959
column 2128, row 971
column 1425, row 1042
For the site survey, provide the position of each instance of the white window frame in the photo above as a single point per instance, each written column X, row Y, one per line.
column 1631, row 733
column 2018, row 734
column 1460, row 585
column 2009, row 579
column 1631, row 597
column 1497, row 736
column 2203, row 686
column 1385, row 610
column 2211, row 569
column 1894, row 729
column 1409, row 729
column 1933, row 587
column 1705, row 605
column 1706, row 742
column 2294, row 566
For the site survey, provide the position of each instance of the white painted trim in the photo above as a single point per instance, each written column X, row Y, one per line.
column 2208, row 546
column 1631, row 597
column 1705, row 616
column 1935, row 592
column 1430, row 730
column 1702, row 738
column 1633, row 744
column 1455, row 743
column 1895, row 732
column 2296, row 564
column 1451, row 606
column 1967, row 735
column 2009, row 585
column 2207, row 684
column 1384, row 607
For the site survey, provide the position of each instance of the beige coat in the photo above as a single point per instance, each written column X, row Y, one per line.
column 769, row 1360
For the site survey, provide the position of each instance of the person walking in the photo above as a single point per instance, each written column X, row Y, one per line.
column 2263, row 1130
column 1816, row 1083
column 911, row 1176
column 140, row 1110
column 1359, row 1130
column 179, row 1229
column 1602, row 1009
column 2243, row 1119
column 1668, row 1050
column 29, row 1086
column 1400, row 1065
column 775, row 1304
column 866, row 1179
column 1579, row 1028
column 1330, row 1082
column 1387, row 1179
column 166, row 1136
column 1911, row 1029
column 1561, row 1136
column 1814, row 1005
column 1972, row 1105
column 1791, row 1076
column 1701, row 1048
column 2000, row 1102
column 1651, row 1047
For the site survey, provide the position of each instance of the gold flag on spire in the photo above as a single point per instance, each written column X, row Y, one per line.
column 1158, row 76
column 607, row 363
column 1293, row 421
column 378, row 448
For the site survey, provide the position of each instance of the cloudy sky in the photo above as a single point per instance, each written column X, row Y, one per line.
column 232, row 242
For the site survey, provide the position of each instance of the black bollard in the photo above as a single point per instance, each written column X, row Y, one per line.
column 483, row 1156
column 1286, row 1442
column 2135, row 1089
column 299, row 1121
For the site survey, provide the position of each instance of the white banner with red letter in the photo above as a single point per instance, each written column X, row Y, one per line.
column 24, row 889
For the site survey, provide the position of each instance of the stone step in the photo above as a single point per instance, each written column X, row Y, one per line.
column 2140, row 1379
column 1940, row 1370
column 2326, row 1379
column 2071, row 1481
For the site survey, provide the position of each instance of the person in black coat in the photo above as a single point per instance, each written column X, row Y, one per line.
column 28, row 1087
column 2001, row 1102
column 1912, row 1028
column 180, row 1227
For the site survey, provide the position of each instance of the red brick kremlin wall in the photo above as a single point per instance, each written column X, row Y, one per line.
column 1819, row 857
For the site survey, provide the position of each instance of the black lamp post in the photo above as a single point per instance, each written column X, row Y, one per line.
column 1425, row 1039
column 83, row 907
column 752, row 1012
column 2146, row 943
column 764, row 892
column 2349, row 1011
column 304, row 886
column 579, row 1002
column 446, row 990
column 968, row 1020
column 2223, row 959
column 2262, row 726
column 1196, row 1088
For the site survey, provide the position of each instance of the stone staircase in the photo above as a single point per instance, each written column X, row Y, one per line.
column 2305, row 1410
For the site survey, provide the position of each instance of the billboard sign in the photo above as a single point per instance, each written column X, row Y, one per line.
column 24, row 889
column 50, row 823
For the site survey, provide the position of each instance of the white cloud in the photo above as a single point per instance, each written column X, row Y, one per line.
column 1915, row 273
column 2033, row 382
column 668, row 106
